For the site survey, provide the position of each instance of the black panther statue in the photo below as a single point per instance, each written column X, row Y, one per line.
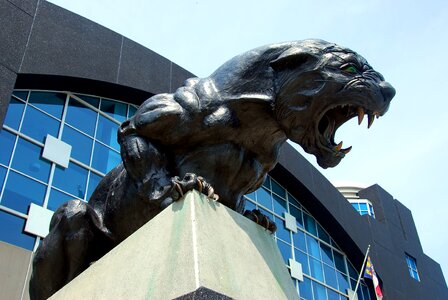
column 227, row 128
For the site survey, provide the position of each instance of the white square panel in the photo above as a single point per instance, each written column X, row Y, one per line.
column 290, row 222
column 38, row 221
column 57, row 151
column 296, row 269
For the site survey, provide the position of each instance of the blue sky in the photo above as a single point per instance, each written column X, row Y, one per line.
column 404, row 151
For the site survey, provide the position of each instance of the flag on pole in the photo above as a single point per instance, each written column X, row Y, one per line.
column 370, row 273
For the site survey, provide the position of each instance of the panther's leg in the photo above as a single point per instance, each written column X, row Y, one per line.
column 258, row 217
column 75, row 240
column 147, row 166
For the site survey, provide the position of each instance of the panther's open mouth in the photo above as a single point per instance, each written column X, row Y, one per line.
column 333, row 118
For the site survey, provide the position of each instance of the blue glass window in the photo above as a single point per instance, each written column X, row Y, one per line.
column 57, row 198
column 81, row 144
column 105, row 159
column 412, row 267
column 264, row 198
column 313, row 247
column 93, row 183
column 114, row 109
column 27, row 159
column 94, row 101
column 363, row 206
column 332, row 295
column 282, row 232
column 19, row 198
column 132, row 111
column 250, row 205
column 267, row 182
column 20, row 94
column 327, row 256
column 14, row 113
column 7, row 141
column 52, row 103
column 107, row 132
column 322, row 234
column 285, row 250
column 342, row 282
column 251, row 196
column 279, row 205
column 305, row 289
column 81, row 117
column 299, row 240
column 2, row 177
column 339, row 262
column 293, row 200
column 316, row 269
column 330, row 276
column 310, row 224
column 11, row 231
column 72, row 180
column 47, row 125
column 303, row 259
column 276, row 188
column 319, row 291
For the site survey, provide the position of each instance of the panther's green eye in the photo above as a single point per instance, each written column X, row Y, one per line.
column 350, row 69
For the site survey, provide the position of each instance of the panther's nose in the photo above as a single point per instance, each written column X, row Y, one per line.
column 387, row 90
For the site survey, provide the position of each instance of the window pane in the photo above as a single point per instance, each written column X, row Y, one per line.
column 297, row 214
column 14, row 113
column 313, row 247
column 342, row 281
column 305, row 289
column 332, row 295
column 279, row 205
column 52, row 103
column 293, row 200
column 11, row 231
column 94, row 101
column 57, row 199
column 251, row 196
column 20, row 94
column 47, row 125
column 326, row 253
column 316, row 269
column 18, row 198
column 27, row 159
column 116, row 110
column 93, row 183
column 249, row 205
column 2, row 177
column 322, row 234
column 7, row 144
column 282, row 232
column 276, row 188
column 299, row 240
column 363, row 206
column 303, row 259
column 132, row 111
column 330, row 276
column 319, row 291
column 81, row 117
column 285, row 250
column 72, row 180
column 310, row 224
column 107, row 132
column 105, row 159
column 267, row 182
column 339, row 262
column 81, row 144
column 264, row 198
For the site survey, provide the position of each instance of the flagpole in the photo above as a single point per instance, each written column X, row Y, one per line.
column 360, row 273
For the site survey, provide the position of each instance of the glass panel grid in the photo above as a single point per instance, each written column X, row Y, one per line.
column 32, row 115
column 412, row 266
column 326, row 269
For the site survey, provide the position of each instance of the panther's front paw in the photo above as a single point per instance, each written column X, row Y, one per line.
column 189, row 182
column 261, row 219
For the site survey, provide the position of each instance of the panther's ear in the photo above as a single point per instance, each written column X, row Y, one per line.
column 293, row 58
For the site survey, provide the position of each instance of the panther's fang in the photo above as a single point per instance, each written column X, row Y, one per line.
column 360, row 115
column 371, row 118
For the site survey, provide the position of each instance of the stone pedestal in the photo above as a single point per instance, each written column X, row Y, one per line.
column 194, row 249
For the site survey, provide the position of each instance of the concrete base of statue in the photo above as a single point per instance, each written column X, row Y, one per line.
column 195, row 249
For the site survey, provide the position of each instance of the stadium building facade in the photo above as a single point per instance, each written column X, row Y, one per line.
column 66, row 84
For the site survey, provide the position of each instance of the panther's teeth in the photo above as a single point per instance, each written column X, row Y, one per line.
column 371, row 118
column 347, row 150
column 338, row 147
column 360, row 115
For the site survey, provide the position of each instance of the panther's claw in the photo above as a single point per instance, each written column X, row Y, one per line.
column 190, row 182
column 258, row 217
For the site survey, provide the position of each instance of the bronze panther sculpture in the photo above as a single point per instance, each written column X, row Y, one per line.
column 228, row 128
